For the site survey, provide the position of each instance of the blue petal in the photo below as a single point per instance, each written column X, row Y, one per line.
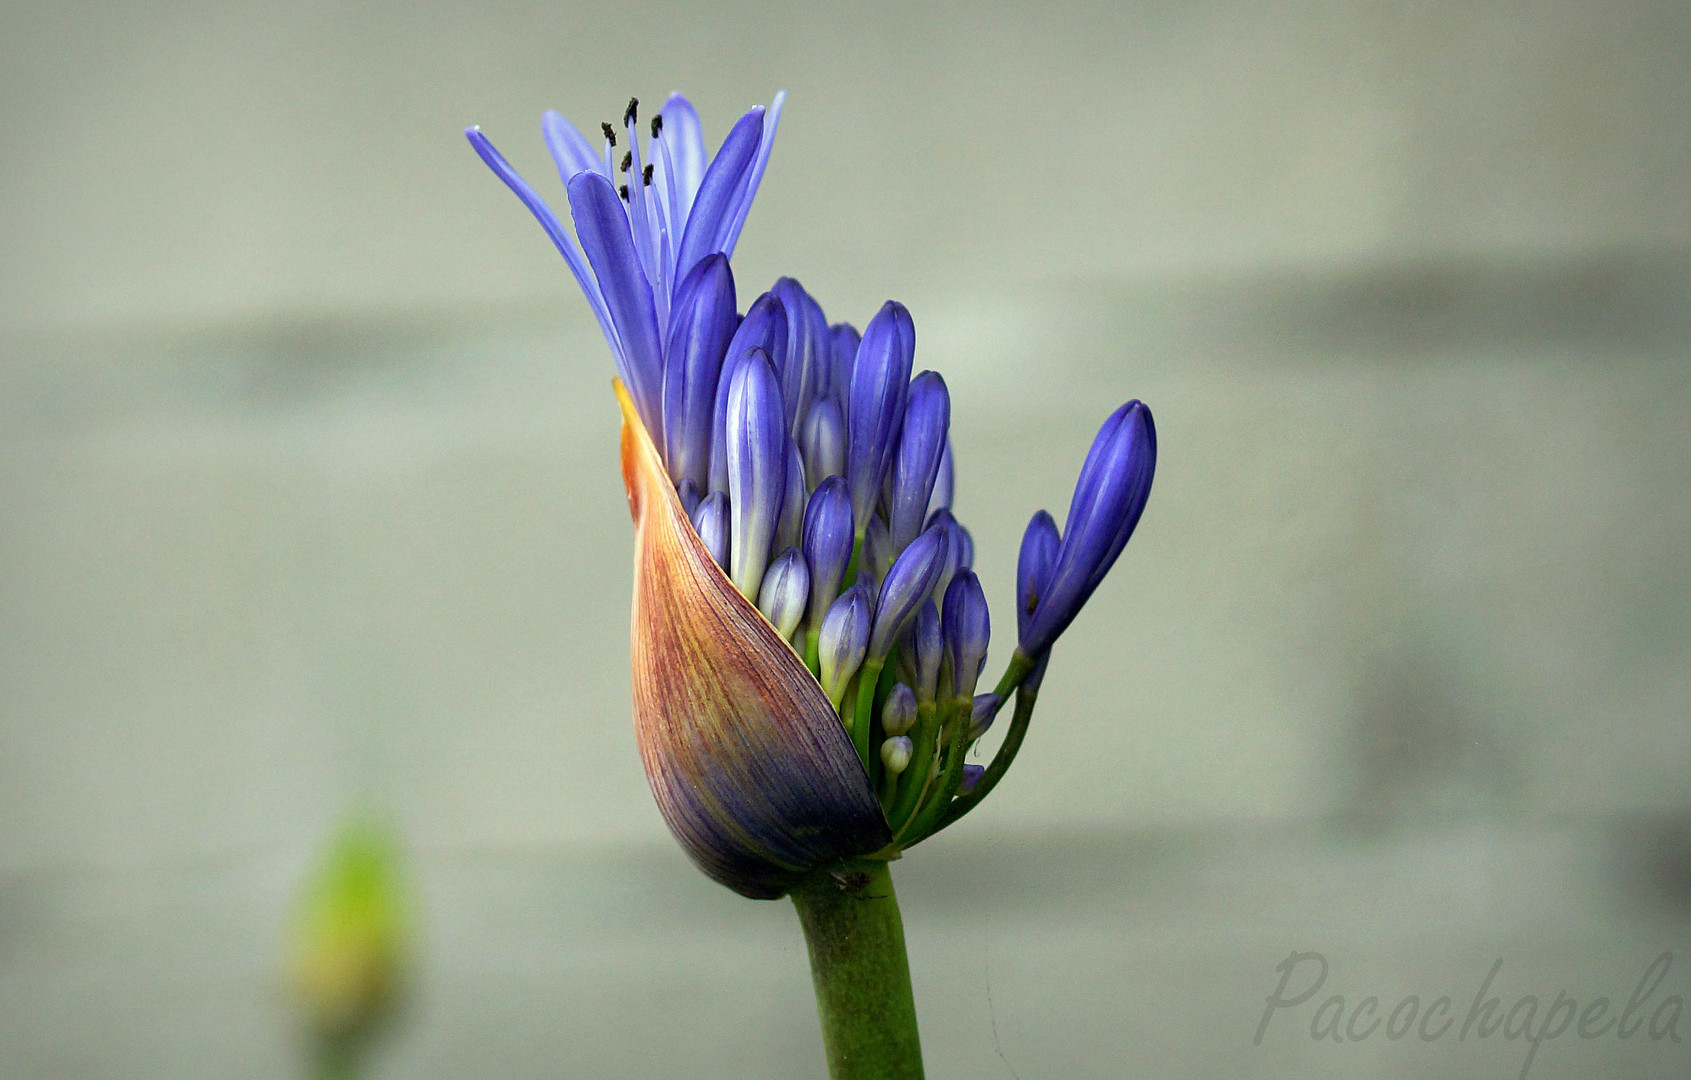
column 844, row 640
column 757, row 470
column 719, row 192
column 569, row 149
column 824, row 442
column 561, row 239
column 685, row 138
column 1038, row 557
column 791, row 523
column 710, row 521
column 701, row 326
column 927, row 416
column 927, row 645
column 807, row 350
column 879, row 381
column 785, row 591
column 766, row 143
column 828, row 539
column 602, row 224
column 845, row 340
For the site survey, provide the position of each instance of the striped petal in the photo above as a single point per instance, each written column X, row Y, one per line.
column 747, row 760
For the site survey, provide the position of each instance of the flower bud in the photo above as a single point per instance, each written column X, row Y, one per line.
column 895, row 754
column 823, row 442
column 927, row 416
column 764, row 329
column 879, row 382
column 944, row 481
column 690, row 496
column 905, row 588
column 877, row 548
column 827, row 543
column 1033, row 568
column 967, row 628
column 790, row 525
column 844, row 640
column 757, row 470
column 702, row 321
column 808, row 351
column 1110, row 495
column 928, row 639
column 785, row 592
column 982, row 712
column 710, row 521
column 898, row 715
column 971, row 776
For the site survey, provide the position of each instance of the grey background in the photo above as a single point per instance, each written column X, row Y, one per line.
column 308, row 494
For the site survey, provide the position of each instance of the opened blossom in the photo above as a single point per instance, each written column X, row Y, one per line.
column 809, row 630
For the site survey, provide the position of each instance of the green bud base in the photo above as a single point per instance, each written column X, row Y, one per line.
column 862, row 976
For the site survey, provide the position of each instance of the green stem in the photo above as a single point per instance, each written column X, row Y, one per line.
column 862, row 976
column 1025, row 698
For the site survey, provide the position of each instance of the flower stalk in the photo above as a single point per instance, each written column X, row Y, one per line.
column 859, row 967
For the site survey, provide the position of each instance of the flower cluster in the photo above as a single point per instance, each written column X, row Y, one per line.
column 809, row 630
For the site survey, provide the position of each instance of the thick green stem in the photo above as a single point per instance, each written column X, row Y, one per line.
column 862, row 977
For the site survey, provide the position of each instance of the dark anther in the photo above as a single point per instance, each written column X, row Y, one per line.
column 657, row 125
column 610, row 132
column 629, row 113
column 623, row 191
column 646, row 174
column 627, row 161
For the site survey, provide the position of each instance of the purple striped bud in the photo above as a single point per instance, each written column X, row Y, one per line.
column 844, row 640
column 898, row 715
column 827, row 543
column 1033, row 568
column 981, row 714
column 880, row 380
column 965, row 542
column 895, row 754
column 905, row 588
column 808, row 349
column 765, row 328
column 791, row 524
column 945, row 480
column 1110, row 495
column 927, row 642
column 927, row 417
column 877, row 548
column 710, row 521
column 690, row 495
column 702, row 322
column 943, row 521
column 844, row 339
column 785, row 591
column 757, row 470
column 968, row 628
column 823, row 441
column 971, row 776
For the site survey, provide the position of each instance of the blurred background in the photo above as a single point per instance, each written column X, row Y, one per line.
column 308, row 496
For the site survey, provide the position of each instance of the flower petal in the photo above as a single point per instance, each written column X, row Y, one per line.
column 719, row 192
column 748, row 762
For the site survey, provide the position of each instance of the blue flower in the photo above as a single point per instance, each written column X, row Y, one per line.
column 808, row 625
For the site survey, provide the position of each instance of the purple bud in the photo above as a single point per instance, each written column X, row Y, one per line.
column 880, row 380
column 906, row 587
column 806, row 369
column 844, row 340
column 968, row 627
column 785, row 591
column 1033, row 568
column 954, row 551
column 827, row 543
column 927, row 641
column 843, row 641
column 927, row 416
column 823, row 441
column 895, row 754
column 702, row 322
column 710, row 521
column 757, row 469
column 971, row 776
column 944, row 481
column 765, row 328
column 877, row 548
column 898, row 715
column 981, row 714
column 791, row 522
column 689, row 494
column 1110, row 495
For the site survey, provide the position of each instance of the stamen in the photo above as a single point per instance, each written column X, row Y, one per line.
column 627, row 160
column 646, row 175
column 623, row 191
column 657, row 125
column 610, row 132
column 629, row 114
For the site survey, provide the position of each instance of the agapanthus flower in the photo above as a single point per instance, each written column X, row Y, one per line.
column 808, row 626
